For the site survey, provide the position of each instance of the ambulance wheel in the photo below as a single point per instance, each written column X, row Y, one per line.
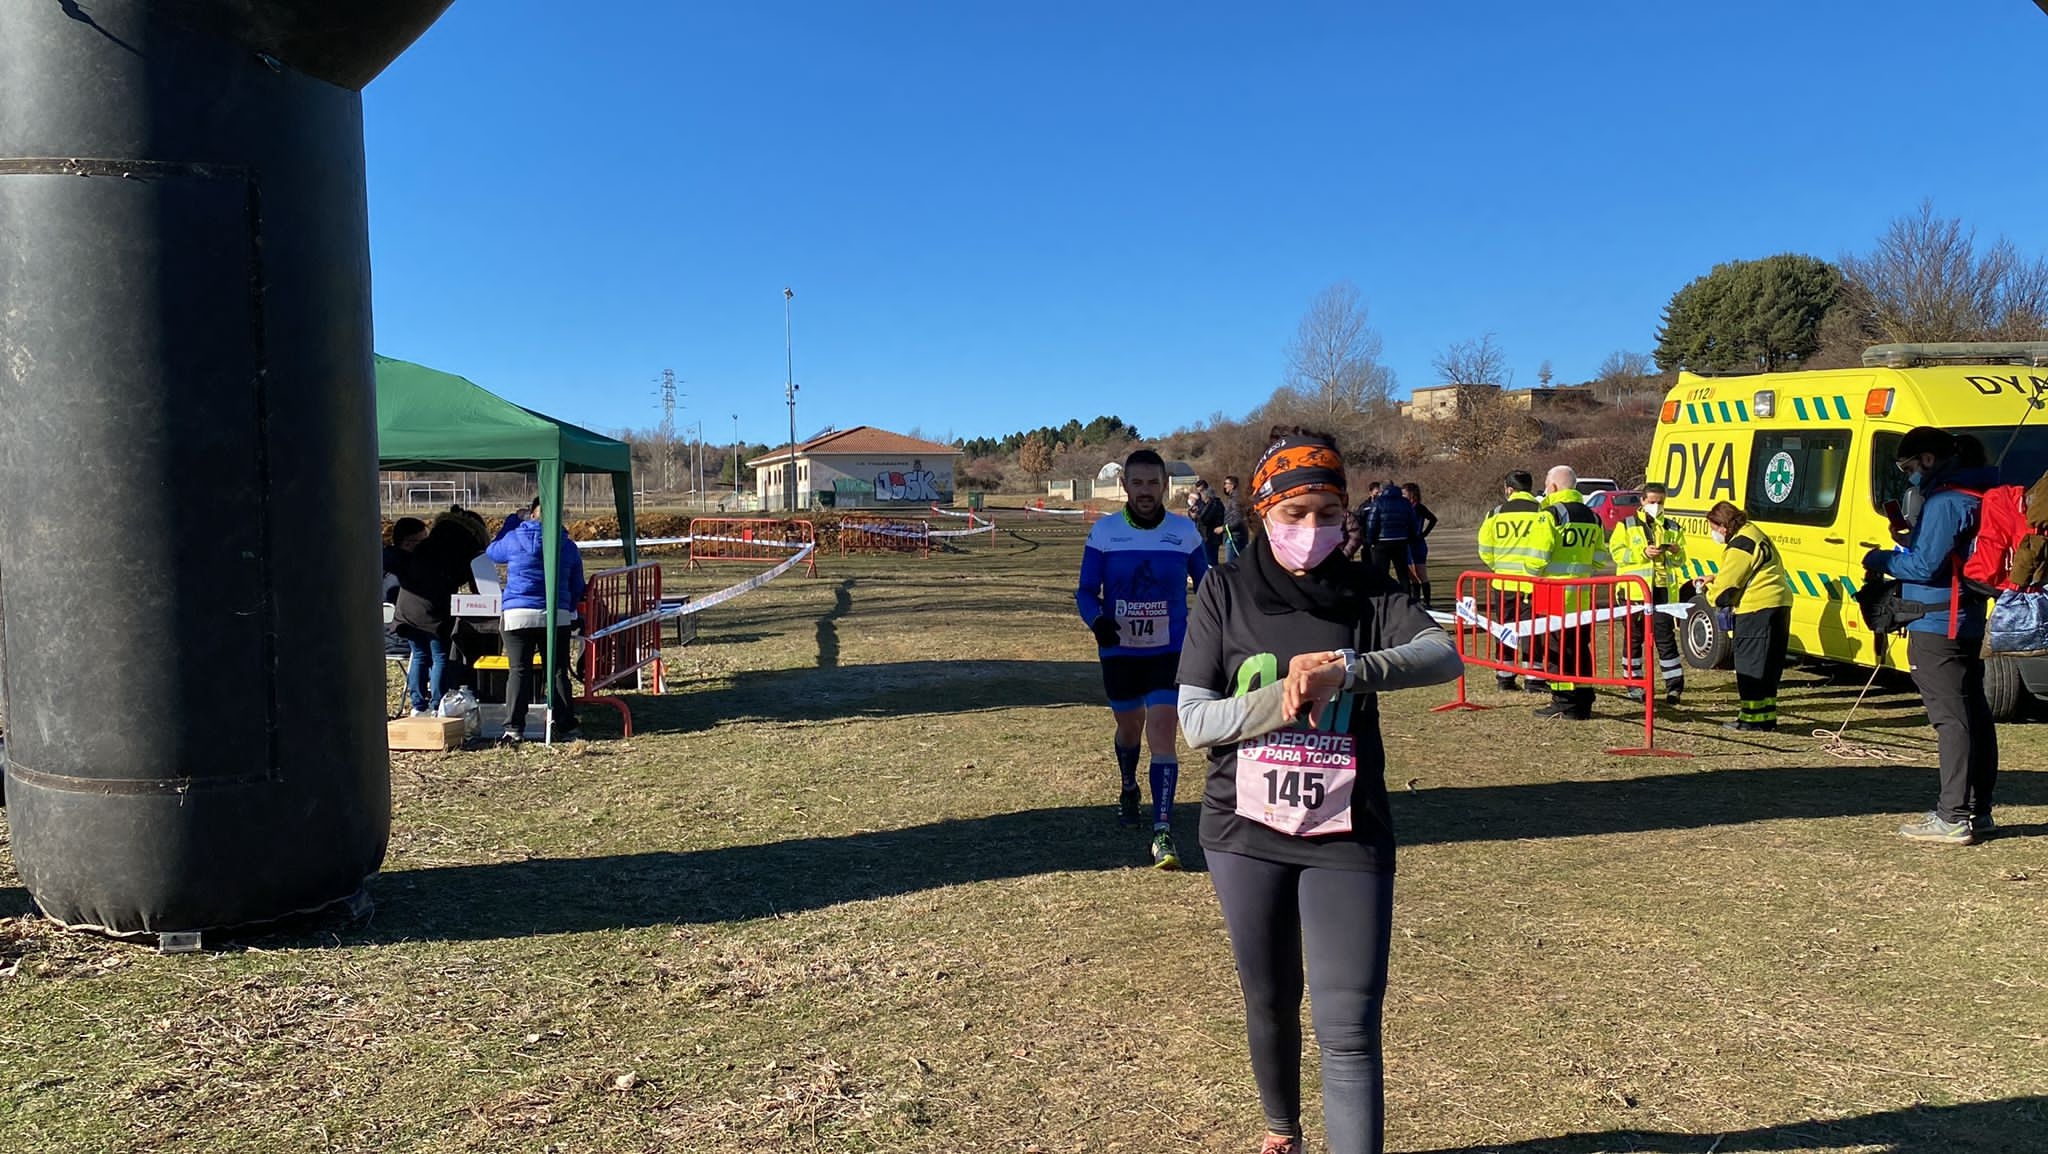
column 1702, row 642
column 2004, row 690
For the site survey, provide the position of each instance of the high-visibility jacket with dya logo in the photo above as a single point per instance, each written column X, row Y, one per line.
column 1516, row 538
column 1629, row 545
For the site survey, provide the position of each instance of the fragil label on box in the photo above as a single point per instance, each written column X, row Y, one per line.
column 474, row 605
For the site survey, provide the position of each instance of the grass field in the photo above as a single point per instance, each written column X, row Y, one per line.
column 855, row 886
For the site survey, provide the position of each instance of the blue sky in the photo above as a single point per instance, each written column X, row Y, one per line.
column 1001, row 216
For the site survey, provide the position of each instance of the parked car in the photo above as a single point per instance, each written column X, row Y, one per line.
column 1615, row 506
column 1591, row 485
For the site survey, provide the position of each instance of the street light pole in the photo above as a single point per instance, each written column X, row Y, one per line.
column 789, row 392
column 735, row 454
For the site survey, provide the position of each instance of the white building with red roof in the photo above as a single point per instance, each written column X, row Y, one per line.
column 858, row 468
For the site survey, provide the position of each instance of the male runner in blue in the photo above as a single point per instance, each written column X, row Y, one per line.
column 1134, row 596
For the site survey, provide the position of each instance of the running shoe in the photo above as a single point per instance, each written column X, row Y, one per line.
column 1983, row 825
column 1165, row 856
column 1506, row 684
column 1930, row 828
column 1635, row 694
column 512, row 738
column 1751, row 726
column 1673, row 692
column 1275, row 1144
column 1127, row 806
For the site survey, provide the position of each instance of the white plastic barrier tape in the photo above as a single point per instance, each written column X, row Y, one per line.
column 969, row 517
column 615, row 543
column 888, row 531
column 1058, row 512
column 644, row 542
column 748, row 586
column 708, row 600
column 989, row 529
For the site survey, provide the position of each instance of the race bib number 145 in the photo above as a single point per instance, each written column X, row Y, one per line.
column 1298, row 781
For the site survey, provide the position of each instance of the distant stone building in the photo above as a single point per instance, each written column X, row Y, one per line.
column 1447, row 402
column 1557, row 399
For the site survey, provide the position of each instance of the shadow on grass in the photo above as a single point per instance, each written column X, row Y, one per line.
column 1450, row 814
column 899, row 689
column 733, row 883
column 15, row 902
column 2007, row 1125
column 551, row 896
column 828, row 624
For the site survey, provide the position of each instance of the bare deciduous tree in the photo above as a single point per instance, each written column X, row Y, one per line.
column 1623, row 374
column 1480, row 362
column 1927, row 281
column 1334, row 379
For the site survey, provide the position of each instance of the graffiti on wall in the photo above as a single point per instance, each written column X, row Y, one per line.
column 916, row 485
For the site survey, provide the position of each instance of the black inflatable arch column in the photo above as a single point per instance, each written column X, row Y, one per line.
column 188, row 456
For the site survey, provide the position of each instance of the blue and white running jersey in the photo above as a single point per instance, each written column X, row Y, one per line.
column 1140, row 578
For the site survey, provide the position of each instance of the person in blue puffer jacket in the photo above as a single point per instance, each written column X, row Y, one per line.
column 1945, row 644
column 524, row 619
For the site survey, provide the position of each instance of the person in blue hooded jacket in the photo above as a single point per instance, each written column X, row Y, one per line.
column 1945, row 643
column 524, row 619
column 1389, row 523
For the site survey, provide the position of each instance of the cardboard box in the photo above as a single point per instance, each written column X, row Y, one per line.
column 474, row 605
column 426, row 733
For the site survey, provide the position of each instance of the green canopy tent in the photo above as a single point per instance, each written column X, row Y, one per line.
column 428, row 420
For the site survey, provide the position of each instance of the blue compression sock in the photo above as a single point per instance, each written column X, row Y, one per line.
column 1127, row 765
column 1165, row 779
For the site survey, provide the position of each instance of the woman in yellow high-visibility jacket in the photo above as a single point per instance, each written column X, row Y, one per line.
column 1752, row 581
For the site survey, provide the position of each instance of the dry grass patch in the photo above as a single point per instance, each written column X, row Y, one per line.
column 854, row 887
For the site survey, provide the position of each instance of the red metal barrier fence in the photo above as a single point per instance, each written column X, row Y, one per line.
column 621, row 633
column 751, row 541
column 1581, row 631
column 868, row 533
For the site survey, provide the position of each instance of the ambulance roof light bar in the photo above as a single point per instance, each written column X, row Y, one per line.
column 1905, row 356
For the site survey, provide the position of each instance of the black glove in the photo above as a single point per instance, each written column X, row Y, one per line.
column 1107, row 632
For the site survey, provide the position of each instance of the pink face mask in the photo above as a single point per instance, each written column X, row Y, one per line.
column 1303, row 547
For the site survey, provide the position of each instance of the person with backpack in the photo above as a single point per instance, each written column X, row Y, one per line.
column 1945, row 625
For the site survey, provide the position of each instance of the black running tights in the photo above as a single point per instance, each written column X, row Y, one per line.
column 1339, row 922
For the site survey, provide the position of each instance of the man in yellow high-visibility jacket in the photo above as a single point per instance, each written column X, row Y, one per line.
column 1515, row 539
column 1651, row 545
column 1578, row 549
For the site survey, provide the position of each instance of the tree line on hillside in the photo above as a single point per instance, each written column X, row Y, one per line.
column 1927, row 279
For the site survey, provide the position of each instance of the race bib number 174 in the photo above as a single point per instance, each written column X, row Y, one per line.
column 1144, row 624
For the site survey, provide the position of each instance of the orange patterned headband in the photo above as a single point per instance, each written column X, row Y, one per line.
column 1293, row 466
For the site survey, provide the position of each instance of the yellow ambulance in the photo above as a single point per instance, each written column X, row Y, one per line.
column 1810, row 456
